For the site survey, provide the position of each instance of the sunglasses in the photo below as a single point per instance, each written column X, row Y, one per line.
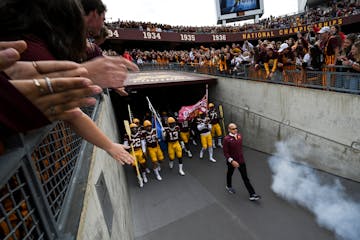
column 233, row 128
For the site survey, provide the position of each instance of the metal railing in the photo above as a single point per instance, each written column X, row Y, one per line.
column 39, row 186
column 332, row 78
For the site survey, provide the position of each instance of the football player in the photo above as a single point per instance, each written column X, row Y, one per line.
column 172, row 137
column 215, row 125
column 153, row 147
column 204, row 127
column 138, row 142
column 185, row 135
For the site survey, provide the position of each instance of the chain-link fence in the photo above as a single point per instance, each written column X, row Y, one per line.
column 36, row 180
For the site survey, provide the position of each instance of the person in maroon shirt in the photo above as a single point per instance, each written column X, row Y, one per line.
column 232, row 147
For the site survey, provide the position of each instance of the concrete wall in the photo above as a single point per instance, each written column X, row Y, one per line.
column 326, row 122
column 92, row 223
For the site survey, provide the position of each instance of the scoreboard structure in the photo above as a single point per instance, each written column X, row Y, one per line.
column 238, row 10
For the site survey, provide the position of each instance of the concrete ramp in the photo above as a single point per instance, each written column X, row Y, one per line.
column 197, row 206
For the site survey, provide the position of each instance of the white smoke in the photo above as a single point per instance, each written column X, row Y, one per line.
column 299, row 183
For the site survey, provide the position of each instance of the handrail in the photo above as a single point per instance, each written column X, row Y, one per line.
column 325, row 79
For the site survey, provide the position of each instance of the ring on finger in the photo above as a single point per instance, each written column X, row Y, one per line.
column 39, row 87
column 48, row 82
column 36, row 66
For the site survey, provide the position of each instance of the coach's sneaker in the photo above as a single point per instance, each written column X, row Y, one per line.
column 254, row 197
column 194, row 142
column 171, row 164
column 181, row 169
column 147, row 170
column 230, row 190
column 144, row 177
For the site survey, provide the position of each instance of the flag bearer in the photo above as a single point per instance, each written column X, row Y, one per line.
column 153, row 147
column 139, row 145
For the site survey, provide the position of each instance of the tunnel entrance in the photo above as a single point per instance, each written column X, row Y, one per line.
column 167, row 91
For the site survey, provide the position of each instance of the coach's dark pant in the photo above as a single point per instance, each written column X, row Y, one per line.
column 243, row 172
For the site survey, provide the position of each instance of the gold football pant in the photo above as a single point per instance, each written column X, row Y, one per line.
column 206, row 140
column 155, row 154
column 216, row 129
column 174, row 148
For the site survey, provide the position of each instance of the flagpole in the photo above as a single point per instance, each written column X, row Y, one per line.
column 152, row 109
column 207, row 96
column 130, row 113
column 128, row 132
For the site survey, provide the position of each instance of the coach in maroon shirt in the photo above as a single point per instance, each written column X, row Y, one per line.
column 232, row 147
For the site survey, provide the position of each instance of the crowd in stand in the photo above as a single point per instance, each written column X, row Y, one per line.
column 331, row 10
column 314, row 50
column 327, row 48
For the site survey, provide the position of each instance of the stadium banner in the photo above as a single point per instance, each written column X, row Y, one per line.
column 135, row 34
column 189, row 112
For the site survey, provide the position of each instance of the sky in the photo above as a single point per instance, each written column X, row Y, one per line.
column 183, row 12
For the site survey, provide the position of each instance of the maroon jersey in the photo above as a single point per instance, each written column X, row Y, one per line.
column 151, row 138
column 172, row 134
column 135, row 139
column 184, row 126
column 214, row 116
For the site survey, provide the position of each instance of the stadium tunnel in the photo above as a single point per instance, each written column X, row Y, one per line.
column 168, row 91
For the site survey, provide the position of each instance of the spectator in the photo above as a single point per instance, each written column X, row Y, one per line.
column 106, row 68
column 41, row 38
column 127, row 56
column 336, row 32
column 348, row 42
column 94, row 16
column 100, row 39
column 329, row 45
column 270, row 60
column 354, row 62
column 352, row 82
column 312, row 59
